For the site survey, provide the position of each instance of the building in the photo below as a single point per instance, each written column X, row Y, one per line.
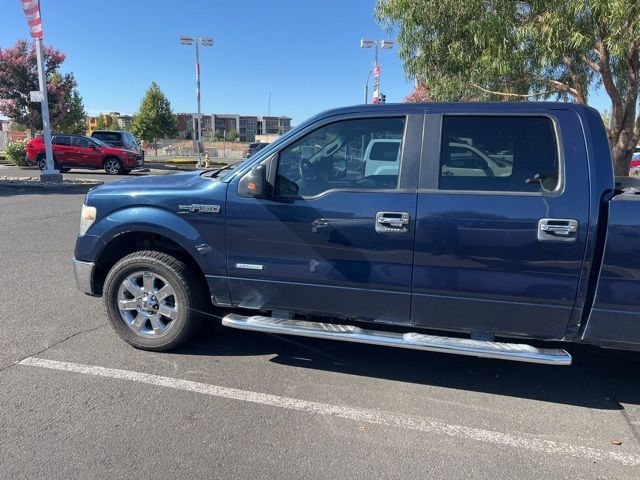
column 124, row 121
column 247, row 126
column 111, row 121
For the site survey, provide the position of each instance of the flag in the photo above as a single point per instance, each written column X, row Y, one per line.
column 32, row 12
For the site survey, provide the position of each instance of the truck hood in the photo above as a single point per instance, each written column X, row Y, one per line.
column 168, row 192
column 179, row 181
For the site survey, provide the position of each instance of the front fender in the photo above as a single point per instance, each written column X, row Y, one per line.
column 155, row 220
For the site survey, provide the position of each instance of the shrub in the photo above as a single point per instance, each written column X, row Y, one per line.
column 16, row 152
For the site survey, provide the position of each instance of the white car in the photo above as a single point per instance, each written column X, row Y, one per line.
column 382, row 157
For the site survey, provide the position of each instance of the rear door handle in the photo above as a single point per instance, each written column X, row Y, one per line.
column 392, row 222
column 557, row 230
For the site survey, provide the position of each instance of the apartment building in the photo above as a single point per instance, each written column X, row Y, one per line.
column 247, row 126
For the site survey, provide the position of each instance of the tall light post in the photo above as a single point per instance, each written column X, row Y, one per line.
column 375, row 44
column 205, row 42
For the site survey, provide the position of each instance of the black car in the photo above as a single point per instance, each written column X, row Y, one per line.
column 254, row 147
column 120, row 139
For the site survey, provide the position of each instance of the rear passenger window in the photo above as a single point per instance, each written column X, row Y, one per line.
column 61, row 140
column 502, row 154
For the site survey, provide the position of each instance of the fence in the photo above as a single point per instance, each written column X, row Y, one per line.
column 186, row 148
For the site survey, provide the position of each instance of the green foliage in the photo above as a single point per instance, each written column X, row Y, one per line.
column 503, row 50
column 19, row 76
column 218, row 135
column 155, row 119
column 74, row 120
column 16, row 152
column 114, row 123
column 232, row 135
column 100, row 125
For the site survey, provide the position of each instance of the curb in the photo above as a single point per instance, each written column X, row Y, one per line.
column 74, row 187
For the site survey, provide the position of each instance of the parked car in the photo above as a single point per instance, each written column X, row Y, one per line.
column 78, row 151
column 434, row 257
column 254, row 147
column 120, row 139
column 634, row 167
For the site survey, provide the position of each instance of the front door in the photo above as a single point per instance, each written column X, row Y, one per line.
column 334, row 239
column 501, row 230
column 82, row 152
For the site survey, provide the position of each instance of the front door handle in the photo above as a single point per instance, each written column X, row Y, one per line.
column 557, row 230
column 392, row 222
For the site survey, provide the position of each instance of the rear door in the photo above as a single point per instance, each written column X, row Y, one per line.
column 62, row 149
column 503, row 214
column 331, row 240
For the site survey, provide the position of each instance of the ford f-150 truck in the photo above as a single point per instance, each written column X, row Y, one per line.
column 495, row 227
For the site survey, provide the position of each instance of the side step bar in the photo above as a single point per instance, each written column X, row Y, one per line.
column 416, row 341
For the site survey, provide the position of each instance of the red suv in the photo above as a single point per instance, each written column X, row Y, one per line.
column 77, row 151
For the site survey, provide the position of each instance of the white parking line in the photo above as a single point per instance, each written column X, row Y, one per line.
column 358, row 414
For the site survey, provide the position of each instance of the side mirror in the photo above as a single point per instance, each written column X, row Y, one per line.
column 254, row 183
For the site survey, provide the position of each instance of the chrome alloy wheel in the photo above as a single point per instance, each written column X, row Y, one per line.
column 112, row 166
column 147, row 304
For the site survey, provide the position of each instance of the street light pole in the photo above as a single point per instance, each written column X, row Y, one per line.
column 366, row 88
column 44, row 105
column 367, row 43
column 207, row 42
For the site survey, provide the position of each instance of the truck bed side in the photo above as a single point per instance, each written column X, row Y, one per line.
column 614, row 320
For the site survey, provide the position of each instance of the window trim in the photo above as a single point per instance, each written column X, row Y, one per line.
column 432, row 150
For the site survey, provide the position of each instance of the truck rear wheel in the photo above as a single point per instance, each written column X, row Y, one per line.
column 153, row 300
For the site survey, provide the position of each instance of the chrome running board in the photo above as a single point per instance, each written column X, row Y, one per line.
column 416, row 341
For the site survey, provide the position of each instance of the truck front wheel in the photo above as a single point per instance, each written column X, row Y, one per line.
column 153, row 300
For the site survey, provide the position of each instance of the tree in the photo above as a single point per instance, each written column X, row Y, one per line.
column 218, row 135
column 74, row 120
column 113, row 125
column 420, row 94
column 19, row 76
column 155, row 119
column 100, row 125
column 233, row 135
column 531, row 49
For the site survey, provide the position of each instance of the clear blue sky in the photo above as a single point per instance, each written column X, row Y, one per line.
column 306, row 52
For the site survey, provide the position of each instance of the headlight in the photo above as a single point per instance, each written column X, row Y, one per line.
column 87, row 217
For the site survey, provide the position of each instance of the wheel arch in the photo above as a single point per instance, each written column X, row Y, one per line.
column 127, row 242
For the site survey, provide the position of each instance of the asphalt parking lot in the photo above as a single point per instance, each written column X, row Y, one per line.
column 76, row 402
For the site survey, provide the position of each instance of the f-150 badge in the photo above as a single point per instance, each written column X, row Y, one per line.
column 200, row 208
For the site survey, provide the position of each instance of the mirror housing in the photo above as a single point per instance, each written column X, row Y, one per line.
column 254, row 183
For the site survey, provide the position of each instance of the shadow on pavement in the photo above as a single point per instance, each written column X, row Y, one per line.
column 598, row 378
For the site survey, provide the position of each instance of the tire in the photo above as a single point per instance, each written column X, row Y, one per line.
column 41, row 161
column 112, row 166
column 145, row 320
column 125, row 171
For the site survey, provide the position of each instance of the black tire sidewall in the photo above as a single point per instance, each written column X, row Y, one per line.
column 181, row 328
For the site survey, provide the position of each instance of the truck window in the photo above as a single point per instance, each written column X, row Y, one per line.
column 335, row 156
column 501, row 153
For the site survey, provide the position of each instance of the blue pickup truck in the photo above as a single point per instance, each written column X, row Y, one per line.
column 476, row 229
